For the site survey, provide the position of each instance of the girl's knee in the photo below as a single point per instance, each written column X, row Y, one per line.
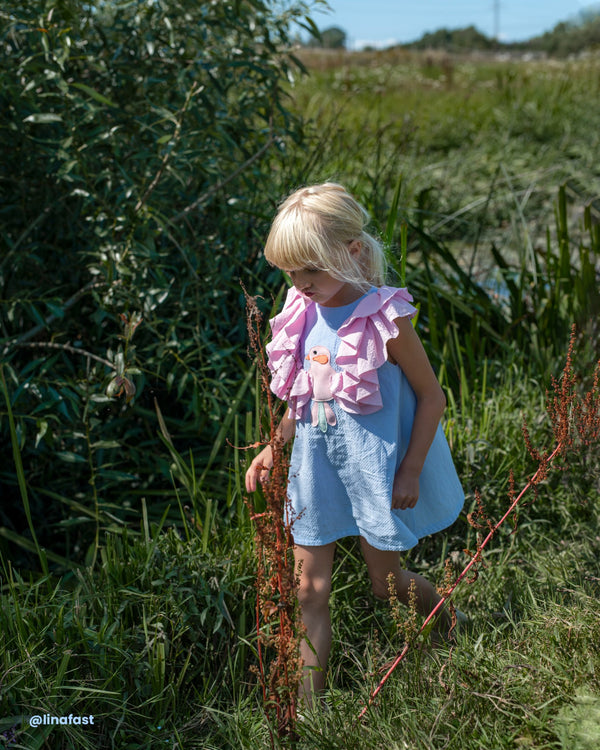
column 314, row 591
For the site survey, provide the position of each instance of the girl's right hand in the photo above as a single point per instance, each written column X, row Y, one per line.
column 259, row 469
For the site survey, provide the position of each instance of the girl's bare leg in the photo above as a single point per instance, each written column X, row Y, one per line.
column 314, row 567
column 381, row 563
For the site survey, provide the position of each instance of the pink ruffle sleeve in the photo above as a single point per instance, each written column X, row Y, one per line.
column 363, row 348
column 290, row 382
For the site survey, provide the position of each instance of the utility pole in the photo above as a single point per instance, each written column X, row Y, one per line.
column 497, row 20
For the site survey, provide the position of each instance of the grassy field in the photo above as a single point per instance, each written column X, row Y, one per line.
column 481, row 144
column 156, row 639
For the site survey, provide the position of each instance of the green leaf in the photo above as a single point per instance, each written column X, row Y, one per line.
column 70, row 457
column 107, row 444
column 56, row 310
column 94, row 94
column 309, row 25
column 42, row 426
column 43, row 117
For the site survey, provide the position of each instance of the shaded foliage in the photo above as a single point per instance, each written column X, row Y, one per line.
column 136, row 641
column 139, row 142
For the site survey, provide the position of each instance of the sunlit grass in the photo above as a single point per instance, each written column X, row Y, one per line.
column 157, row 637
column 469, row 136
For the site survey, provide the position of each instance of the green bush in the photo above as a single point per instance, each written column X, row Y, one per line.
column 140, row 142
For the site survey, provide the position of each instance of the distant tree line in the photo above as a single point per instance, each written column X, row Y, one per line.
column 569, row 38
column 454, row 40
column 330, row 38
column 566, row 38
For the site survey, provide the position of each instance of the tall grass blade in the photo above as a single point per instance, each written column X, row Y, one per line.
column 30, row 546
column 388, row 235
column 403, row 252
column 21, row 475
column 226, row 426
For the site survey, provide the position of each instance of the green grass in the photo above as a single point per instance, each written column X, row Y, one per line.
column 533, row 117
column 147, row 635
column 154, row 634
column 508, row 686
column 157, row 639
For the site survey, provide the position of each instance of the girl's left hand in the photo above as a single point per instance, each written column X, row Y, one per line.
column 405, row 491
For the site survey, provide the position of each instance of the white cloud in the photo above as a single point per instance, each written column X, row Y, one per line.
column 375, row 43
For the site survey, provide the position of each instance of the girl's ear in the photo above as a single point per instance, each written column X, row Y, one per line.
column 355, row 247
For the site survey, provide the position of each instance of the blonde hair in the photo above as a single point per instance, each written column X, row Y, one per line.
column 314, row 228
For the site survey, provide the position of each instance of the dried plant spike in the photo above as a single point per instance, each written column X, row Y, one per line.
column 277, row 622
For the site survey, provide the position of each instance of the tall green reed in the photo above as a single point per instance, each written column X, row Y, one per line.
column 42, row 556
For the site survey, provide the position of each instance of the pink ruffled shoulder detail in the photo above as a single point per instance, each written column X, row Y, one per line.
column 290, row 382
column 363, row 349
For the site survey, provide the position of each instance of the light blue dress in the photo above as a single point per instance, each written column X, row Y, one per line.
column 341, row 475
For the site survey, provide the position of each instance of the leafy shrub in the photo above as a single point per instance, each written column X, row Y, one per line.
column 140, row 142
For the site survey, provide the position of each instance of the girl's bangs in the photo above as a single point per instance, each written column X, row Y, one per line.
column 290, row 248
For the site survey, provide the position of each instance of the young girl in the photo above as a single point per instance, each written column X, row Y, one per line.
column 370, row 458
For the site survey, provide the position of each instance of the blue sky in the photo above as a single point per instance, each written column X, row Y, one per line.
column 385, row 22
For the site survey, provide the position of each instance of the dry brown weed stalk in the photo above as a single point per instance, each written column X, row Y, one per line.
column 575, row 420
column 277, row 621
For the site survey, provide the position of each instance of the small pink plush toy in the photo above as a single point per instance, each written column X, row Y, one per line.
column 321, row 372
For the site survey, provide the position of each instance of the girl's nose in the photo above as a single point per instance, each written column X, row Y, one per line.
column 299, row 280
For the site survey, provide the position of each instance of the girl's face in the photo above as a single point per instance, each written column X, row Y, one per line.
column 322, row 288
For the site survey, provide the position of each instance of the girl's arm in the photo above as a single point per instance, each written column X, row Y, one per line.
column 407, row 352
column 263, row 463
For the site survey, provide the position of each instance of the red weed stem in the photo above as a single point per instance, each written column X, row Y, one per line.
column 261, row 664
column 476, row 557
column 278, row 635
